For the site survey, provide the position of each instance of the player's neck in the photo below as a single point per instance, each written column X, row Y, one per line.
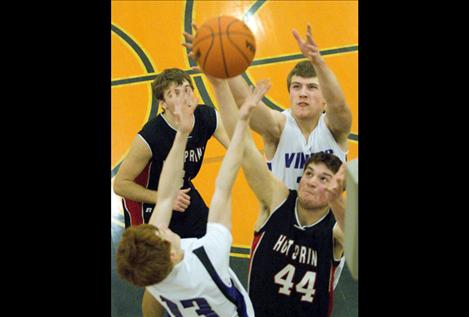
column 307, row 125
column 308, row 216
column 169, row 118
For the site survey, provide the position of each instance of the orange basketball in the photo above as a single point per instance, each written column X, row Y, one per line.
column 224, row 47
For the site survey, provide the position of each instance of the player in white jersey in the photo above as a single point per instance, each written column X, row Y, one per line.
column 318, row 120
column 293, row 150
column 299, row 233
column 190, row 277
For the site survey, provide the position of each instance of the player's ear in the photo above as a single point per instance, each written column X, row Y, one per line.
column 173, row 256
column 163, row 105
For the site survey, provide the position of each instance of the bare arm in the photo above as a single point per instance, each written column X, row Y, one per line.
column 220, row 206
column 220, row 133
column 337, row 204
column 268, row 189
column 124, row 185
column 172, row 174
column 338, row 114
column 267, row 122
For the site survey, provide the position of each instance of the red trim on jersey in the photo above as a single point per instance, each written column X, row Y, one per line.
column 331, row 288
column 255, row 242
column 133, row 208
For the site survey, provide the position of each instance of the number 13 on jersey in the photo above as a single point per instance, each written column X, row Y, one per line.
column 284, row 278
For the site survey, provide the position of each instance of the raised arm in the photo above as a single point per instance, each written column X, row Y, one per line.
column 265, row 121
column 220, row 132
column 171, row 177
column 220, row 206
column 268, row 189
column 338, row 114
column 337, row 204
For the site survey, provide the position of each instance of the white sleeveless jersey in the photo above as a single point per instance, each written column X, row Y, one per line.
column 293, row 150
column 190, row 290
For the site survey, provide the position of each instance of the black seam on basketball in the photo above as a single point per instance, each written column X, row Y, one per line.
column 234, row 44
column 222, row 52
column 218, row 33
column 209, row 49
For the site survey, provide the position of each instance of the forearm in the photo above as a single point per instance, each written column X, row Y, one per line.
column 133, row 191
column 171, row 180
column 172, row 174
column 228, row 110
column 330, row 86
column 232, row 160
column 338, row 209
column 257, row 174
column 239, row 88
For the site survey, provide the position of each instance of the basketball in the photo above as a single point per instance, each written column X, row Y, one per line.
column 224, row 47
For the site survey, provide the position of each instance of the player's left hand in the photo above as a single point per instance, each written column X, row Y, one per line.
column 253, row 98
column 308, row 47
column 184, row 106
column 189, row 38
column 336, row 187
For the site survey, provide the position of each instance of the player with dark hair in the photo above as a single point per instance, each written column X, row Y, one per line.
column 137, row 179
column 190, row 277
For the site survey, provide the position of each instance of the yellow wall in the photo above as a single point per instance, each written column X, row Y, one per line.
column 155, row 27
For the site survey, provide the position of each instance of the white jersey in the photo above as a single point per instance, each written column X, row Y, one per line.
column 293, row 151
column 203, row 284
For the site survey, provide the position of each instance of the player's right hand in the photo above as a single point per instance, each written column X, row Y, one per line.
column 182, row 201
column 253, row 98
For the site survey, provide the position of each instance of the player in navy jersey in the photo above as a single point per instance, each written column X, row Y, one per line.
column 298, row 239
column 190, row 277
column 318, row 119
column 138, row 176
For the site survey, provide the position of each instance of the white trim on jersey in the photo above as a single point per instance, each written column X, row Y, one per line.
column 217, row 118
column 300, row 226
column 148, row 145
column 193, row 123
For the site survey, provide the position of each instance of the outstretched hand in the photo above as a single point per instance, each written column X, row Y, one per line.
column 253, row 98
column 308, row 47
column 336, row 186
column 184, row 106
column 189, row 39
column 182, row 201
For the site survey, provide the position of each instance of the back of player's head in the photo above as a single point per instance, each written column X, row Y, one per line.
column 331, row 161
column 143, row 258
column 166, row 78
column 302, row 69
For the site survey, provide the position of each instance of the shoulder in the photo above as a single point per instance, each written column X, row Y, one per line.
column 151, row 126
column 207, row 117
column 204, row 110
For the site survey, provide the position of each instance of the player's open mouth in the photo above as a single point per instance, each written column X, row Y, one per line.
column 303, row 104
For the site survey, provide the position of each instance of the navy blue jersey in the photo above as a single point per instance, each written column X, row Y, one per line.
column 159, row 136
column 292, row 266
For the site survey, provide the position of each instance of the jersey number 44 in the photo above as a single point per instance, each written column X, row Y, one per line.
column 284, row 278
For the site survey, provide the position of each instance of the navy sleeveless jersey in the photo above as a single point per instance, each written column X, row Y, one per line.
column 159, row 136
column 292, row 266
